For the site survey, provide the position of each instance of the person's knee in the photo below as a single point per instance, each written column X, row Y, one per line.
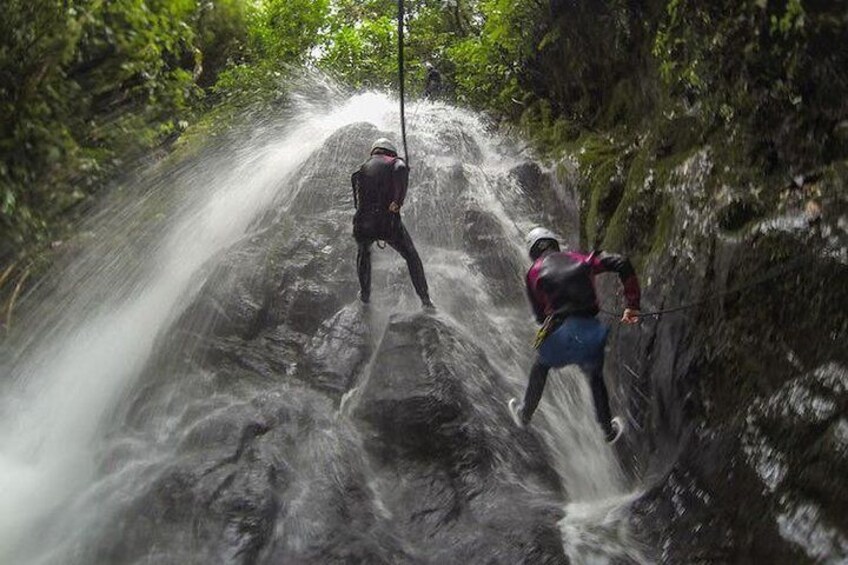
column 413, row 259
column 409, row 254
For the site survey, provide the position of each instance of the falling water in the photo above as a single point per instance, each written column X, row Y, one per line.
column 146, row 258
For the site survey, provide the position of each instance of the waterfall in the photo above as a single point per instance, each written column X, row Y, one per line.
column 174, row 395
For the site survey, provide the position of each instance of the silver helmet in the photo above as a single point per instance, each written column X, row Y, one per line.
column 385, row 145
column 538, row 235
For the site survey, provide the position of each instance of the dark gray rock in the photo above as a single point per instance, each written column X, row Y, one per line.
column 734, row 400
column 276, row 479
column 494, row 256
column 453, row 470
column 280, row 421
column 340, row 348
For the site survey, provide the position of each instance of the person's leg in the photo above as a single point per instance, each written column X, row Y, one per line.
column 562, row 347
column 595, row 336
column 581, row 341
column 363, row 268
column 535, row 386
column 402, row 243
column 595, row 372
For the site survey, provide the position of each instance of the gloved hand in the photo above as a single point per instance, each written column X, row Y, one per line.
column 630, row 316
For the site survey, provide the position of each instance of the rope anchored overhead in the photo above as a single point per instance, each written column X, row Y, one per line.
column 401, row 81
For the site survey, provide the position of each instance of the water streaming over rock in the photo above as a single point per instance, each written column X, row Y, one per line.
column 199, row 383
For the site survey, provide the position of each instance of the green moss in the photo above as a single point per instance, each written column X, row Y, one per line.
column 673, row 136
column 550, row 134
column 603, row 164
column 632, row 219
column 627, row 102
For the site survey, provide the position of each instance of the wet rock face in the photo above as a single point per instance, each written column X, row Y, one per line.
column 282, row 477
column 741, row 399
column 276, row 479
column 549, row 204
column 284, row 422
column 797, row 441
column 474, row 486
column 339, row 349
column 494, row 256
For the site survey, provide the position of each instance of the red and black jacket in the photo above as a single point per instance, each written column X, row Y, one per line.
column 562, row 284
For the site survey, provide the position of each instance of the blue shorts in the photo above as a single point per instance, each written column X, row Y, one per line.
column 578, row 341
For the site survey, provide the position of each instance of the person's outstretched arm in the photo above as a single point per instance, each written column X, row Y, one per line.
column 603, row 262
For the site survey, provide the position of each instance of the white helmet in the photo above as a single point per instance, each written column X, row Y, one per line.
column 539, row 234
column 385, row 145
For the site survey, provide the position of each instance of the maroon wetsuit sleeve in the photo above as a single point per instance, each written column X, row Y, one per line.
column 400, row 181
column 610, row 262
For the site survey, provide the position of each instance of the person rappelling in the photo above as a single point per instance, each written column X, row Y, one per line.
column 561, row 289
column 379, row 191
column 433, row 85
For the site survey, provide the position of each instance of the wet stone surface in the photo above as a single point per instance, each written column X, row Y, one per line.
column 472, row 485
column 739, row 400
column 281, row 421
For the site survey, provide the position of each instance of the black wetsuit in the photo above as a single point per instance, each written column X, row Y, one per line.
column 433, row 84
column 381, row 180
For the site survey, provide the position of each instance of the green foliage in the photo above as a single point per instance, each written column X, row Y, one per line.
column 778, row 67
column 279, row 37
column 221, row 29
column 362, row 55
column 285, row 30
column 359, row 42
column 84, row 84
column 489, row 63
column 88, row 86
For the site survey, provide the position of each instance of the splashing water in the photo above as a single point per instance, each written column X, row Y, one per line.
column 86, row 347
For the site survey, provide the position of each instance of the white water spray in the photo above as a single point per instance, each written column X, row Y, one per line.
column 62, row 392
column 66, row 385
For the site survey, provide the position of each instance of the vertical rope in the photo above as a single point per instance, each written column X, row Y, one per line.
column 401, row 81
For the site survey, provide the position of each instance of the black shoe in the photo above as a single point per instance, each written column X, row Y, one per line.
column 516, row 412
column 616, row 430
column 428, row 305
column 364, row 298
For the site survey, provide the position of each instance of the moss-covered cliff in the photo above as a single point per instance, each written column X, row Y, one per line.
column 708, row 142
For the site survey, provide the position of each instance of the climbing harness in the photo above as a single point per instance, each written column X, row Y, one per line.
column 401, row 81
column 543, row 332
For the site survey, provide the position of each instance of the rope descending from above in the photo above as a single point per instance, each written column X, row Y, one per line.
column 401, row 81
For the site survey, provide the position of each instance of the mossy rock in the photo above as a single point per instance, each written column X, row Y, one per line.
column 663, row 228
column 550, row 133
column 603, row 165
column 677, row 135
column 739, row 212
column 631, row 221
